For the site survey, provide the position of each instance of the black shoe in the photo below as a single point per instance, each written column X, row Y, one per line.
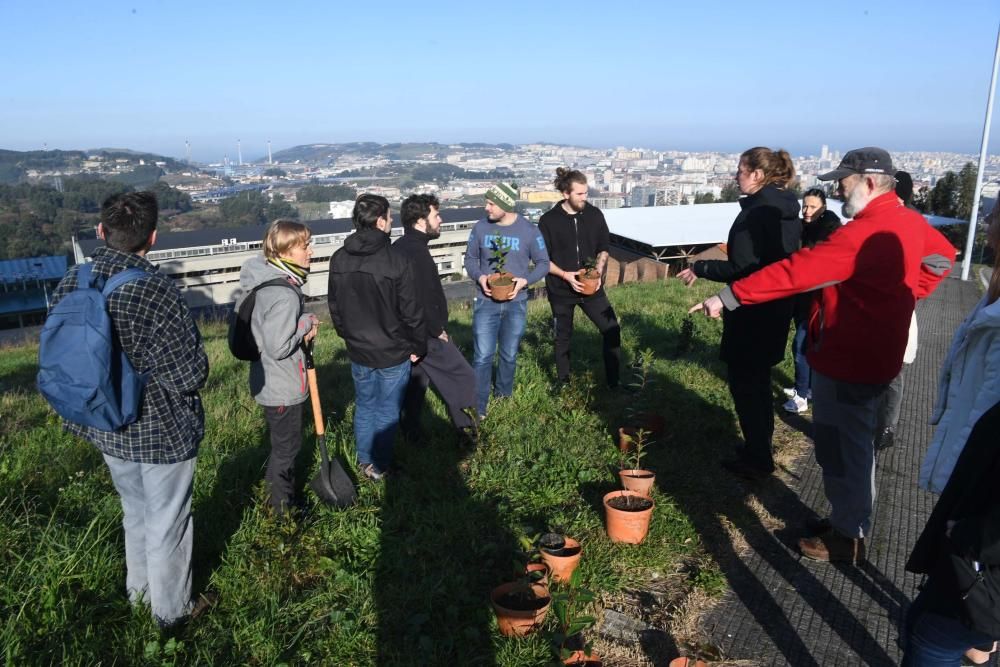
column 817, row 526
column 741, row 468
column 885, row 439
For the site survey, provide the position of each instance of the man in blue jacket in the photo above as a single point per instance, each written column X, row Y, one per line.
column 501, row 323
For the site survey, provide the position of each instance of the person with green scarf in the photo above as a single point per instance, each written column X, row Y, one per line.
column 280, row 326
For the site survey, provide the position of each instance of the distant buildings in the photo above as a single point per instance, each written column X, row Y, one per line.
column 25, row 286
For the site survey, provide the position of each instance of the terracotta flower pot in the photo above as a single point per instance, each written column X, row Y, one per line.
column 531, row 568
column 501, row 286
column 687, row 662
column 562, row 563
column 519, row 617
column 626, row 434
column 581, row 659
column 591, row 282
column 638, row 480
column 626, row 524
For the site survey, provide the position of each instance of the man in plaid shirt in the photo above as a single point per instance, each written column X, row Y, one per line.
column 151, row 460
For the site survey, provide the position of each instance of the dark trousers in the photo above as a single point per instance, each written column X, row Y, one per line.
column 447, row 370
column 750, row 386
column 285, row 424
column 600, row 312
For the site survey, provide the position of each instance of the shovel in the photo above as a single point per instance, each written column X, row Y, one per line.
column 331, row 483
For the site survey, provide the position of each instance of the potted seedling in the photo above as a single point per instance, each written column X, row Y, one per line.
column 536, row 569
column 500, row 281
column 520, row 605
column 633, row 476
column 562, row 554
column 569, row 603
column 589, row 276
column 639, row 414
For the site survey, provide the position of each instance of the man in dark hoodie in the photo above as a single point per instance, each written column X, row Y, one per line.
column 574, row 232
column 443, row 365
column 374, row 308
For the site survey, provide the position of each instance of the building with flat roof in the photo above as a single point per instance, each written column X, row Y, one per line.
column 205, row 264
column 25, row 286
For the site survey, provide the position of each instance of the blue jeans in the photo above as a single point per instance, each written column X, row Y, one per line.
column 496, row 322
column 378, row 397
column 156, row 509
column 937, row 641
column 802, row 371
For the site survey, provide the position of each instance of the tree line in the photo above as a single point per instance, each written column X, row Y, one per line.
column 40, row 220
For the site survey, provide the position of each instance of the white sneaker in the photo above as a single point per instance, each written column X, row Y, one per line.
column 796, row 404
column 789, row 391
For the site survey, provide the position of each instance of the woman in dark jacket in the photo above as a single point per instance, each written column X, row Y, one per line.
column 959, row 551
column 817, row 224
column 754, row 337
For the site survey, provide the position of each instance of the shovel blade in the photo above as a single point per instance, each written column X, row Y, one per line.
column 333, row 485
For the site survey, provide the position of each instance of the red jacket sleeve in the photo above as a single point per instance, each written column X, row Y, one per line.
column 937, row 262
column 829, row 263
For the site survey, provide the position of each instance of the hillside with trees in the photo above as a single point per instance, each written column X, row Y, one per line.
column 40, row 220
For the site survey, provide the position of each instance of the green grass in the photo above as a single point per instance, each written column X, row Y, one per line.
column 404, row 576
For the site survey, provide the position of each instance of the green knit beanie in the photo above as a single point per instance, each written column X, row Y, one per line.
column 503, row 196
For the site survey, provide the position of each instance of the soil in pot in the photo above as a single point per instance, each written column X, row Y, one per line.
column 520, row 608
column 640, row 481
column 521, row 601
column 630, row 503
column 501, row 286
column 589, row 279
column 564, row 560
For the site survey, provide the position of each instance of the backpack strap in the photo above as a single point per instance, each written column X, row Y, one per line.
column 85, row 275
column 120, row 278
column 283, row 282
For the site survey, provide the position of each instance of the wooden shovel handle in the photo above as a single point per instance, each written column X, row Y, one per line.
column 307, row 349
column 314, row 397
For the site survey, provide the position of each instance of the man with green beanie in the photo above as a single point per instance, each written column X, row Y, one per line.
column 501, row 323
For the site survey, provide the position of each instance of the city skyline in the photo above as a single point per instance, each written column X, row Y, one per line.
column 149, row 76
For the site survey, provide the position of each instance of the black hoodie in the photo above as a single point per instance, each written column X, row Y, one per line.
column 413, row 247
column 373, row 302
column 571, row 239
column 767, row 229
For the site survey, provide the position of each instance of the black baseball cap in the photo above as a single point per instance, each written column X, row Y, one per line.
column 870, row 160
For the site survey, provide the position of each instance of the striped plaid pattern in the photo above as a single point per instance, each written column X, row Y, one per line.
column 159, row 336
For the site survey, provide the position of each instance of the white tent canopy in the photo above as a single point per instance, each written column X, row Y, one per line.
column 697, row 224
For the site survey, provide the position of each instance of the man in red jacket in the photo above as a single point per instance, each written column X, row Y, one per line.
column 866, row 277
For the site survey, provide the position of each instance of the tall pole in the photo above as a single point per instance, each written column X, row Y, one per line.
column 973, row 222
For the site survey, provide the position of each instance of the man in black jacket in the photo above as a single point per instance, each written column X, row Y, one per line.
column 574, row 232
column 374, row 307
column 443, row 365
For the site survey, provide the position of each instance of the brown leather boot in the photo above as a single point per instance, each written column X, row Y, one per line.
column 832, row 546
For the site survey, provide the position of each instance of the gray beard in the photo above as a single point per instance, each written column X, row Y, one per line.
column 855, row 203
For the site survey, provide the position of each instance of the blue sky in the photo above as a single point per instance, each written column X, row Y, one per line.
column 708, row 75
